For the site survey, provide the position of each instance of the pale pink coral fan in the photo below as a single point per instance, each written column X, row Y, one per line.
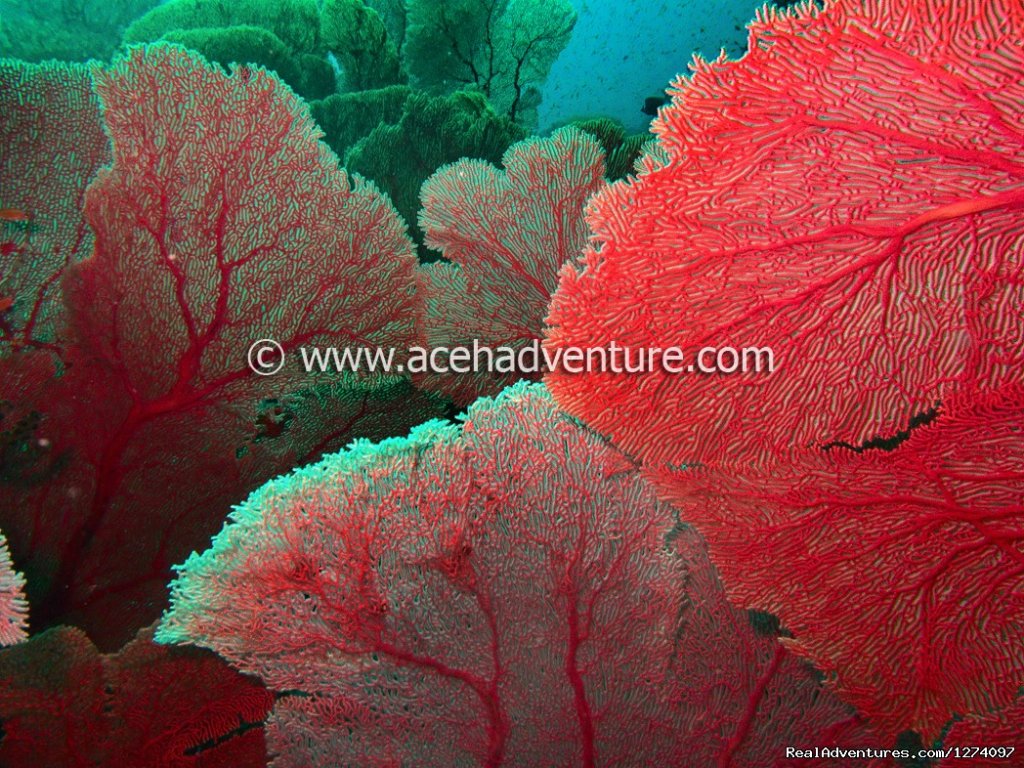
column 13, row 606
column 510, row 593
column 506, row 234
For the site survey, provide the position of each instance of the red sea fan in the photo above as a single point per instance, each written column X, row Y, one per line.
column 505, row 594
column 507, row 233
column 849, row 193
column 221, row 222
column 900, row 574
column 65, row 704
column 743, row 698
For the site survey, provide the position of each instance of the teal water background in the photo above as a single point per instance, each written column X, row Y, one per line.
column 622, row 52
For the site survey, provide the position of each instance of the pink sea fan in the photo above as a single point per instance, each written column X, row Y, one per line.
column 222, row 220
column 53, row 142
column 505, row 594
column 507, row 234
column 13, row 606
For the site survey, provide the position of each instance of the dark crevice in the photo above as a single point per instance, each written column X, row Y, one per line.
column 880, row 443
column 244, row 727
column 911, row 742
column 766, row 624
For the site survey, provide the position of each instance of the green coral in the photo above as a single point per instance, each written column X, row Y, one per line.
column 68, row 30
column 622, row 160
column 282, row 35
column 356, row 35
column 36, row 43
column 608, row 132
column 241, row 44
column 317, row 79
column 295, row 22
column 620, row 151
column 345, row 118
column 395, row 16
column 503, row 48
column 432, row 131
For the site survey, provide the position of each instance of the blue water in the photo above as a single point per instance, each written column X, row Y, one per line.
column 622, row 52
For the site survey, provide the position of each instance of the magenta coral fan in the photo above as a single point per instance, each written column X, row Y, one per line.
column 505, row 594
column 13, row 607
column 221, row 220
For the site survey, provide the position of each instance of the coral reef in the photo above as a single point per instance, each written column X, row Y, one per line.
column 611, row 567
column 621, row 151
column 874, row 244
column 502, row 48
column 356, row 34
column 53, row 144
column 868, row 227
column 920, row 546
column 431, row 132
column 69, row 30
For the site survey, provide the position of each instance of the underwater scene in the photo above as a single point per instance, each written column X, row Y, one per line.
column 415, row 383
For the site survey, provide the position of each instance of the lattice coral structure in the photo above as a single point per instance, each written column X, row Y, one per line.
column 899, row 574
column 222, row 220
column 506, row 234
